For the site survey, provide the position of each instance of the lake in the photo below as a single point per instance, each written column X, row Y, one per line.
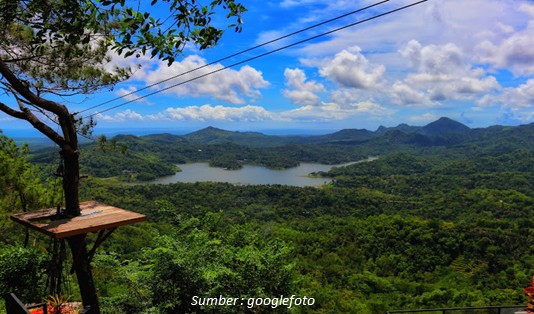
column 297, row 176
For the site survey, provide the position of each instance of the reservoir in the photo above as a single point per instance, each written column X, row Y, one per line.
column 297, row 176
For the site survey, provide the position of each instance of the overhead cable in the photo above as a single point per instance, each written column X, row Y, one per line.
column 260, row 56
column 235, row 55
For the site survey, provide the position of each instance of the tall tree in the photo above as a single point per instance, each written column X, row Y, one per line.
column 61, row 48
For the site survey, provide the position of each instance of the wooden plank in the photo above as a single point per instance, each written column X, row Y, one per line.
column 94, row 216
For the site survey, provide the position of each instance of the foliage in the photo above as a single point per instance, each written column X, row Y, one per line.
column 194, row 258
column 432, row 226
column 474, row 157
column 530, row 292
column 21, row 270
column 62, row 46
column 21, row 185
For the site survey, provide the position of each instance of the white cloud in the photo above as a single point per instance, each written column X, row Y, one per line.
column 513, row 97
column 215, row 113
column 228, row 85
column 434, row 59
column 129, row 94
column 274, row 35
column 350, row 68
column 528, row 8
column 345, row 95
column 515, row 52
column 402, row 94
column 249, row 113
column 441, row 73
column 433, row 22
column 321, row 3
column 427, row 117
column 126, row 115
column 333, row 111
column 293, row 3
column 302, row 92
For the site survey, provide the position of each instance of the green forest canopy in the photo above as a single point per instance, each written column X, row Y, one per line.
column 421, row 227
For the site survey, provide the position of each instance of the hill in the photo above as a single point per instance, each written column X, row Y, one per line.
column 231, row 150
column 443, row 126
column 211, row 135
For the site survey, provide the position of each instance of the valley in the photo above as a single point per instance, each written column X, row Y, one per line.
column 442, row 218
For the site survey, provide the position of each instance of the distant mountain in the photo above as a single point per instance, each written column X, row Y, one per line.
column 443, row 126
column 353, row 135
column 165, row 138
column 211, row 135
column 403, row 127
column 227, row 149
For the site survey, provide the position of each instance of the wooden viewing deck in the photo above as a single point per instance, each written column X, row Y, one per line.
column 94, row 217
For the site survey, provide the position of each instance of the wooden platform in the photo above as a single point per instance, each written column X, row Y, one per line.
column 94, row 217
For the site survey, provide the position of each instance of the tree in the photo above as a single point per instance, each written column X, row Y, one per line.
column 61, row 48
column 20, row 183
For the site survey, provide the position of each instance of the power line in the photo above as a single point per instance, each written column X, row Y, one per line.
column 260, row 56
column 236, row 54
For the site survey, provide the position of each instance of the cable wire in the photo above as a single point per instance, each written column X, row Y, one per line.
column 236, row 54
column 260, row 56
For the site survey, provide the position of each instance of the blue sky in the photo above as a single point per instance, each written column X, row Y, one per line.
column 471, row 60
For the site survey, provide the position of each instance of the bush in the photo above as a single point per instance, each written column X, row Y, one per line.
column 21, row 271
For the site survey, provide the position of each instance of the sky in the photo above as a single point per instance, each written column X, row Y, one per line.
column 470, row 60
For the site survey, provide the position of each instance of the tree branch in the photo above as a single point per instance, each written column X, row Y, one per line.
column 27, row 115
column 11, row 112
column 25, row 92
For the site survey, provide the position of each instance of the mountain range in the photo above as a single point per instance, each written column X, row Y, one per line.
column 442, row 127
column 155, row 155
column 443, row 131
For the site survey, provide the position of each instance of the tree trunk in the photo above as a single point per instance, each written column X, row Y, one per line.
column 71, row 167
column 84, row 274
column 77, row 244
column 71, row 180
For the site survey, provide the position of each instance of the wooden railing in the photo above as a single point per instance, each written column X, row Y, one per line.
column 505, row 309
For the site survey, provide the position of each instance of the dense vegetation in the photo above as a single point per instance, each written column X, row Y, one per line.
column 442, row 219
column 146, row 157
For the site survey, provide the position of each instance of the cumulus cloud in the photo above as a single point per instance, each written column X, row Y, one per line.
column 515, row 52
column 434, row 59
column 228, row 85
column 126, row 115
column 328, row 4
column 518, row 97
column 349, row 68
column 249, row 113
column 215, row 113
column 528, row 8
column 427, row 117
column 441, row 74
column 345, row 96
column 333, row 111
column 303, row 92
column 404, row 95
column 129, row 94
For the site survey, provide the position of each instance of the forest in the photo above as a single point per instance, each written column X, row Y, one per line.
column 442, row 218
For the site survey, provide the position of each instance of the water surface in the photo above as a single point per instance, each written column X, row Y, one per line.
column 297, row 176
